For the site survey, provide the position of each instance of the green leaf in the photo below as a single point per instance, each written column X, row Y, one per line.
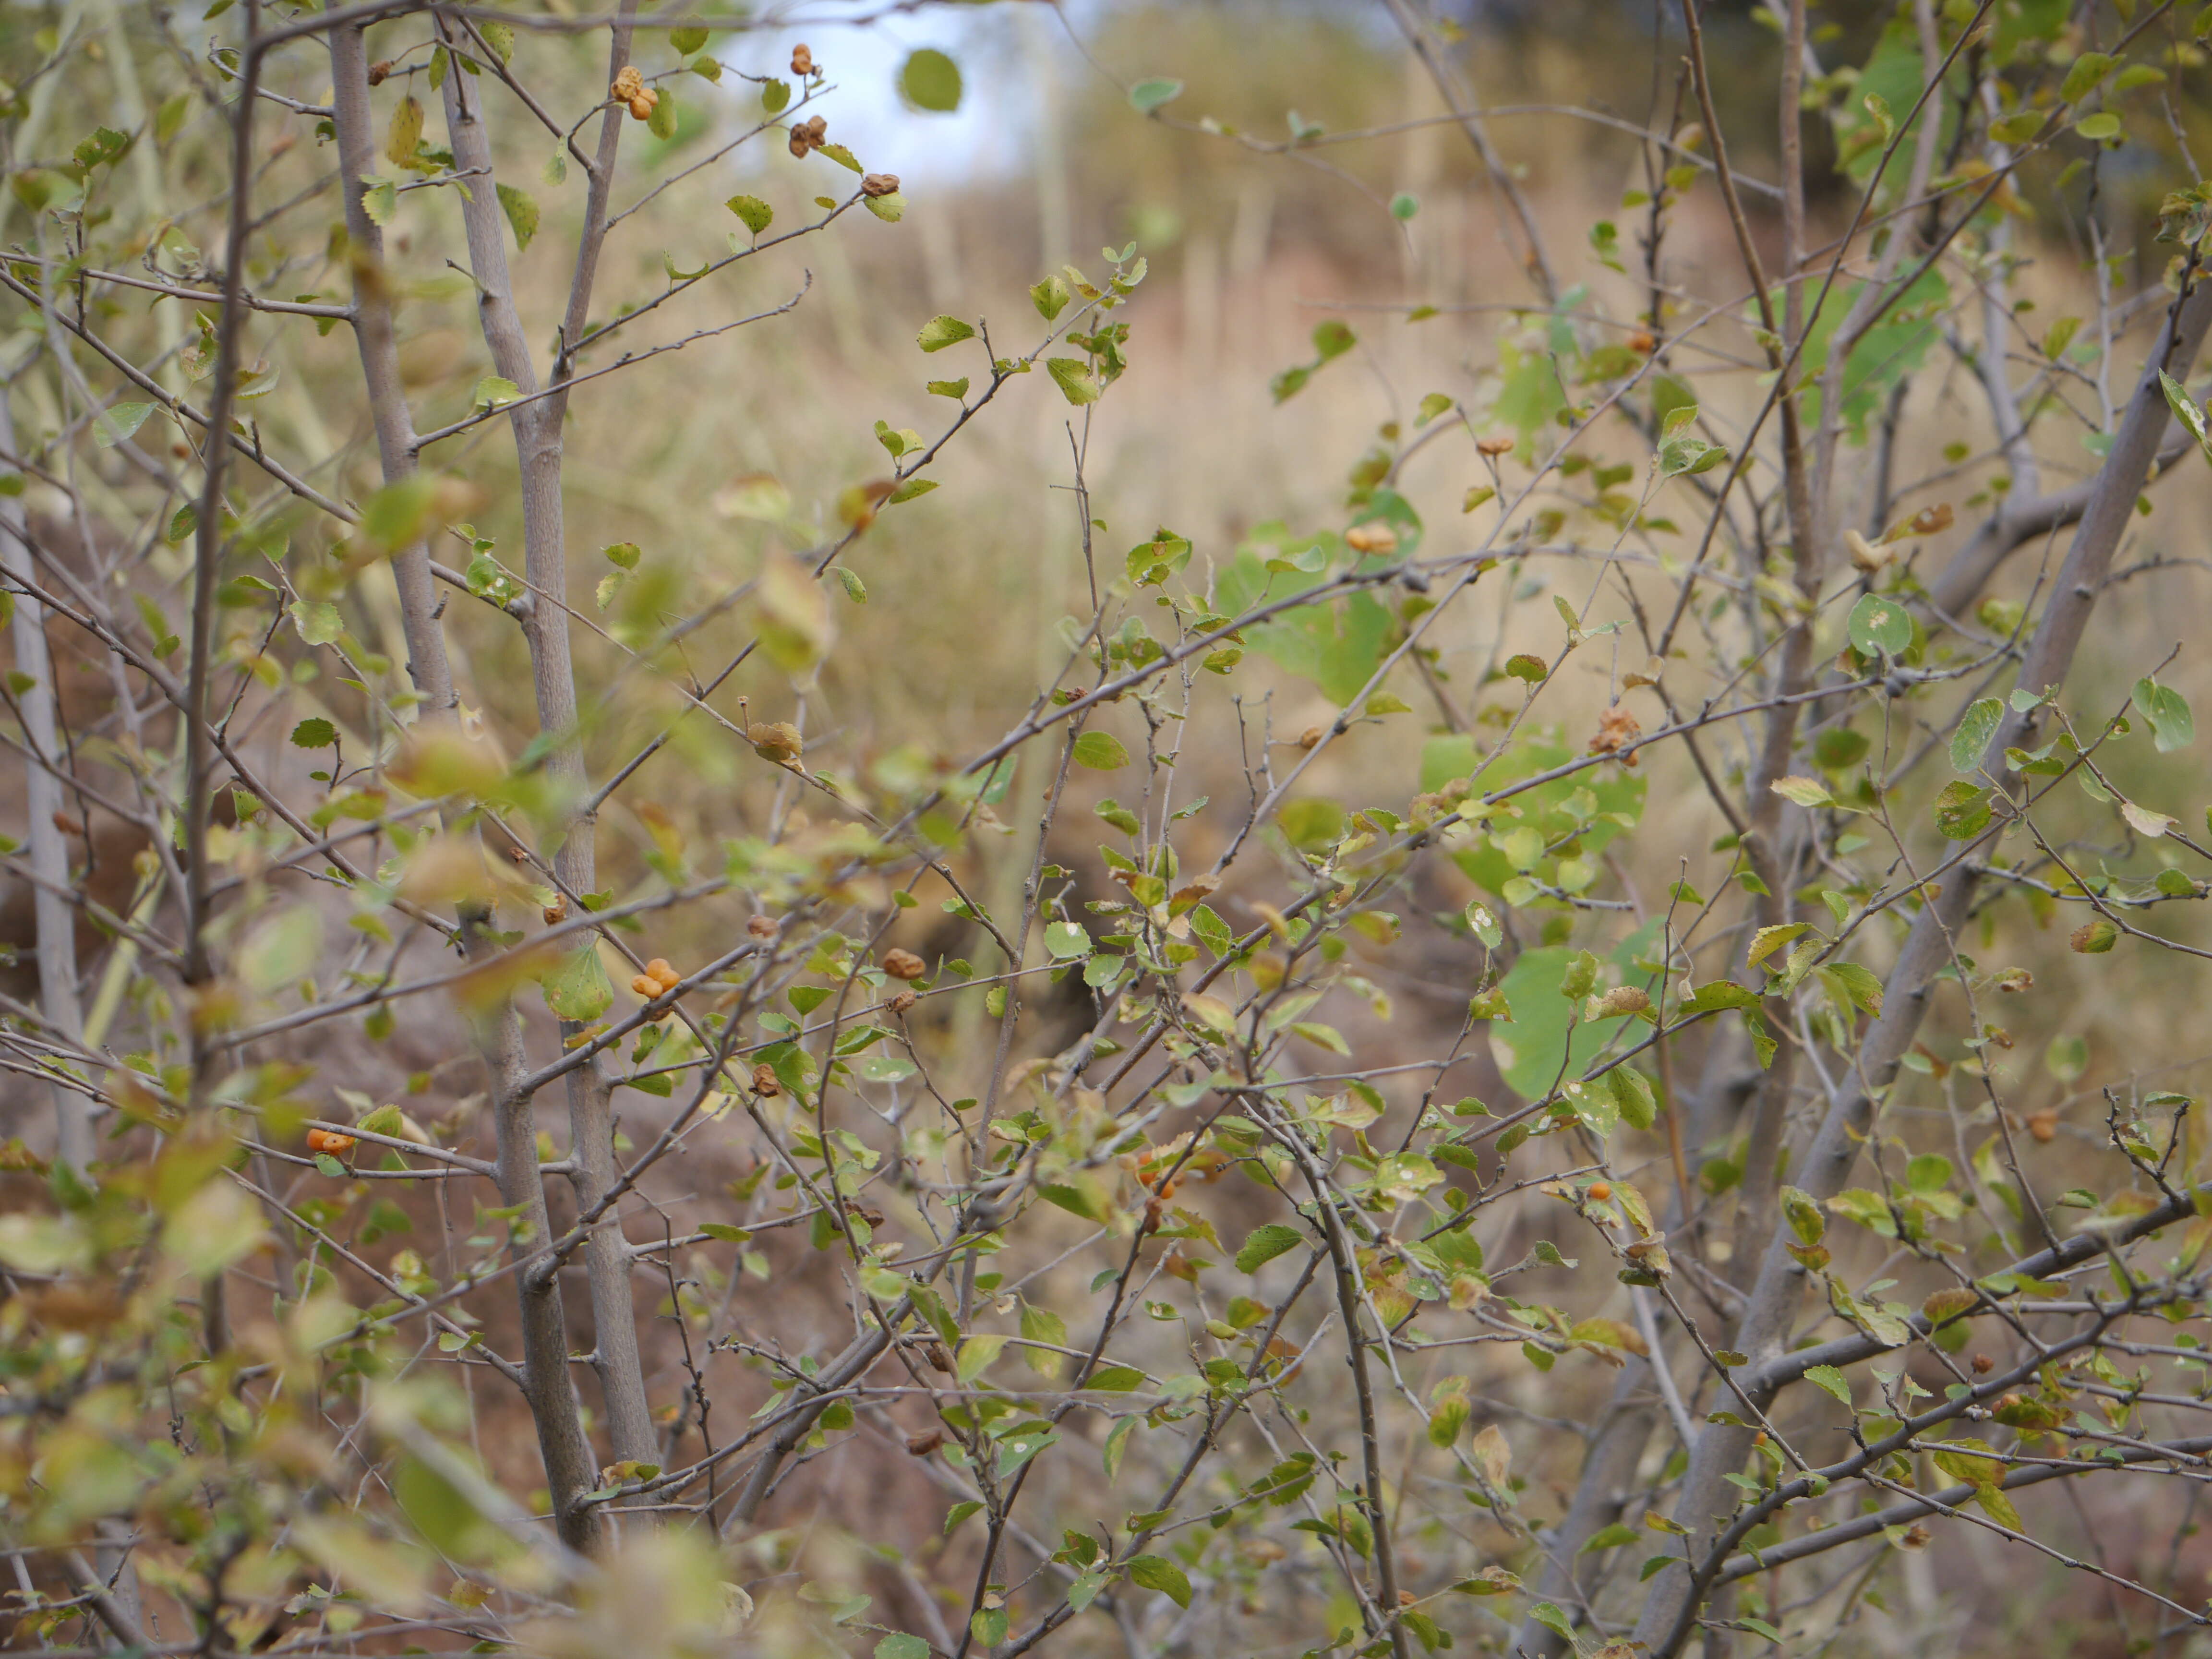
column 404, row 137
column 521, row 209
column 1266, row 1243
column 753, row 213
column 1043, row 1325
column 2186, row 410
column 958, row 1513
column 1156, row 92
column 1976, row 727
column 1074, row 378
column 118, row 423
column 1879, row 625
column 1157, row 1572
column 1067, row 941
column 1828, row 1377
column 2099, row 127
column 1050, row 297
column 939, row 332
column 1686, row 455
column 1536, row 1044
column 1808, row 792
column 1854, row 984
column 976, row 1354
column 902, row 1646
column 954, row 390
column 686, row 38
column 105, row 144
column 1547, row 1615
column 1633, row 1095
column 2084, row 76
column 578, row 989
column 2095, row 937
column 931, row 81
column 1102, row 751
column 318, row 621
column 1610, row 1538
column 315, row 734
column 2173, row 727
column 380, row 199
column 1962, row 812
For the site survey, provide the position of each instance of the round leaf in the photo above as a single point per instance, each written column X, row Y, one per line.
column 931, row 81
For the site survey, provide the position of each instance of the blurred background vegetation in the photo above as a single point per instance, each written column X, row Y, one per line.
column 1044, row 163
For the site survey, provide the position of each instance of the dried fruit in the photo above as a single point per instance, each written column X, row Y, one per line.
column 2044, row 1125
column 1984, row 1364
column 1642, row 343
column 802, row 61
column 761, row 926
column 627, row 84
column 809, row 134
column 1371, row 539
column 920, row 1445
column 776, row 740
column 903, row 964
column 1311, row 737
column 377, row 71
column 879, row 183
column 1494, row 447
column 556, row 912
column 902, row 1002
column 1616, row 730
column 329, row 1141
column 1865, row 556
column 765, row 1083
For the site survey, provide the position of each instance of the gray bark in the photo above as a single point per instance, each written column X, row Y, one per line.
column 427, row 662
column 44, row 798
column 538, row 441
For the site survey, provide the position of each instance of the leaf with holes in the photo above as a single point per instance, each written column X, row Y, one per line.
column 1266, row 1243
column 939, row 332
column 1976, row 727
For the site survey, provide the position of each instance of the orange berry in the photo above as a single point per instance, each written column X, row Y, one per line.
column 328, row 1140
column 645, row 985
column 1600, row 1190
